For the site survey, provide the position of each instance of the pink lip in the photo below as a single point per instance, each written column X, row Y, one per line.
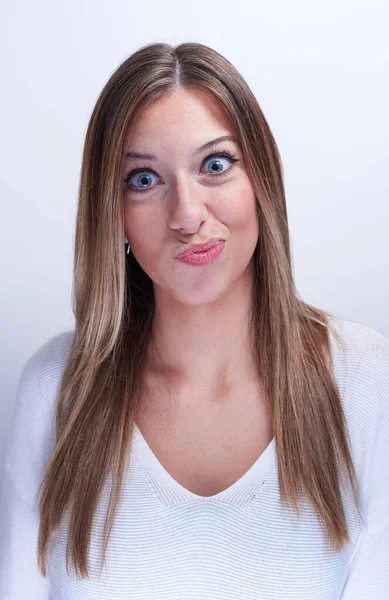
column 198, row 247
column 198, row 259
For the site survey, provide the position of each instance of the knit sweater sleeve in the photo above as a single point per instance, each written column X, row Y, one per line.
column 368, row 577
column 30, row 441
column 19, row 524
column 368, row 572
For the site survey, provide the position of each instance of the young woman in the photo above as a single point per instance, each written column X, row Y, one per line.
column 203, row 433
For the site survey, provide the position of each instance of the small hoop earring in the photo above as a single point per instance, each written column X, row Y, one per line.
column 128, row 249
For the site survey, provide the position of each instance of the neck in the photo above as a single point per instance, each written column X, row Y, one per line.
column 204, row 346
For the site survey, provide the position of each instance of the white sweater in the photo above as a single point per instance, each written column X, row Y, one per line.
column 171, row 544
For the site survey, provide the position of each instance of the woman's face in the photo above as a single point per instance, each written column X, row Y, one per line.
column 188, row 196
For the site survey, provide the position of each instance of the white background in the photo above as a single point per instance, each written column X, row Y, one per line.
column 320, row 73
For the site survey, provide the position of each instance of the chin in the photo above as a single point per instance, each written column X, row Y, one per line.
column 200, row 293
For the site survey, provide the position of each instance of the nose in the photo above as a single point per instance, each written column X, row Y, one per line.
column 187, row 206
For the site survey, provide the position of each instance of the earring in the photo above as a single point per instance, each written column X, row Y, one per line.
column 128, row 249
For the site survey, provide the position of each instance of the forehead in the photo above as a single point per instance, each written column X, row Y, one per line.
column 181, row 113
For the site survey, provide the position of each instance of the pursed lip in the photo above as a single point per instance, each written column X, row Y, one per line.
column 193, row 248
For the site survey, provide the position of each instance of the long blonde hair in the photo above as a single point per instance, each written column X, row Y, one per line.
column 113, row 304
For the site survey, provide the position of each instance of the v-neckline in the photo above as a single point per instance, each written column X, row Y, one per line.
column 172, row 492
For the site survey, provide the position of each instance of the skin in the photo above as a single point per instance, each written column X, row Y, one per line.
column 201, row 312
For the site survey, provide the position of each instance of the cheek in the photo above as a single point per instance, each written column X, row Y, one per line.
column 142, row 225
column 238, row 210
column 144, row 236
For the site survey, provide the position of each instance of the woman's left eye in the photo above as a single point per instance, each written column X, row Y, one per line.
column 221, row 155
column 143, row 173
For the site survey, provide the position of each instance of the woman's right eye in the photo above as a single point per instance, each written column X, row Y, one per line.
column 143, row 178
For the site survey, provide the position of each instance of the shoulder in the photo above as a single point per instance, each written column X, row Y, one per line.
column 41, row 375
column 40, row 378
column 361, row 368
column 49, row 359
column 31, row 436
column 362, row 371
column 361, row 360
column 360, row 350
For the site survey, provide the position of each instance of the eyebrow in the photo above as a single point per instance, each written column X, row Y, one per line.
column 223, row 138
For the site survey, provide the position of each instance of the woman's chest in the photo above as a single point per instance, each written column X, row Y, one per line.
column 206, row 446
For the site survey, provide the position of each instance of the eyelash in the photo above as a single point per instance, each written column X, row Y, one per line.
column 223, row 154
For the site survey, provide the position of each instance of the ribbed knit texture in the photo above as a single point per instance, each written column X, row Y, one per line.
column 170, row 544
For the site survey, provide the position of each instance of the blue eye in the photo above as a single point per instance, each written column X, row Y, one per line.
column 143, row 177
column 144, row 174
